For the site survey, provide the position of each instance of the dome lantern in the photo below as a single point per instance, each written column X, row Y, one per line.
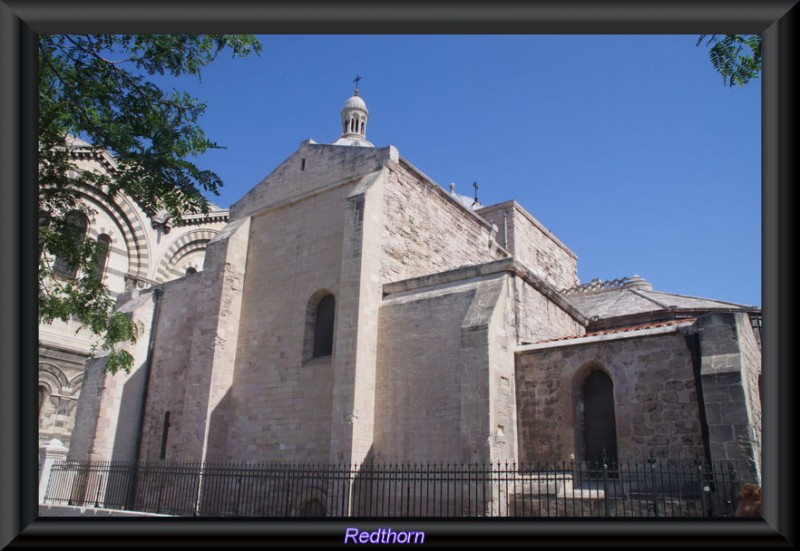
column 354, row 121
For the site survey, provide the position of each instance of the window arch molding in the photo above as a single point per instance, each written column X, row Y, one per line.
column 320, row 325
column 54, row 377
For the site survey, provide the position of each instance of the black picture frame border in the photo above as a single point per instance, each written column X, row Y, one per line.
column 21, row 21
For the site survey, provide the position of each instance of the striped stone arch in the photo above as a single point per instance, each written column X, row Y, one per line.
column 53, row 377
column 188, row 243
column 76, row 383
column 121, row 210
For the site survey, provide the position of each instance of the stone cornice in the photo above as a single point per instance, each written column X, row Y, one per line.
column 199, row 219
column 681, row 326
column 509, row 265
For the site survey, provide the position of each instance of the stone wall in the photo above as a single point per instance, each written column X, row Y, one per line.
column 87, row 410
column 488, row 341
column 109, row 412
column 356, row 346
column 194, row 352
column 181, row 305
column 417, row 393
column 751, row 376
column 532, row 244
column 444, row 366
column 730, row 368
column 539, row 318
column 654, row 394
column 281, row 405
column 427, row 231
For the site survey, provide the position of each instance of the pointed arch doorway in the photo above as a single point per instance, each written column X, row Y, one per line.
column 600, row 424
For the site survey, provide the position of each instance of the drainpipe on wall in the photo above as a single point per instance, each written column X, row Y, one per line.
column 693, row 344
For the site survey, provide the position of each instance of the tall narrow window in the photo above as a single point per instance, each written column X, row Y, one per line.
column 759, row 388
column 103, row 251
column 323, row 327
column 76, row 227
column 164, row 435
column 600, row 423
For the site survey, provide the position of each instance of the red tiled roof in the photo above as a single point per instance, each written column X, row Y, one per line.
column 652, row 325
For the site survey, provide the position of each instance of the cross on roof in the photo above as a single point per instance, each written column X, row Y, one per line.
column 356, row 80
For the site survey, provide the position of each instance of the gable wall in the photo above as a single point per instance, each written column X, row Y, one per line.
column 426, row 232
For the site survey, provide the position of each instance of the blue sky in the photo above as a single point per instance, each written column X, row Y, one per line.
column 630, row 149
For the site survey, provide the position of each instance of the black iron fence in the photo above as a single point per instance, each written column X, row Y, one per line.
column 569, row 489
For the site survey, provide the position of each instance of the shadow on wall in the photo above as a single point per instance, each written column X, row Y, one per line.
column 218, row 426
column 130, row 414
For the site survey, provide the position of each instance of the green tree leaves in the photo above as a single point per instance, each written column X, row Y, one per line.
column 97, row 88
column 736, row 57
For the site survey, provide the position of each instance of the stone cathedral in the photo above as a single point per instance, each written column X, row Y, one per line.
column 351, row 309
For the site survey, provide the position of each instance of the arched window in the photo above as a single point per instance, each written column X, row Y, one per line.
column 600, row 425
column 191, row 270
column 43, row 394
column 320, row 317
column 76, row 227
column 323, row 327
column 103, row 251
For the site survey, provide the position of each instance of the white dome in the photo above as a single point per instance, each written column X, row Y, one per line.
column 355, row 102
